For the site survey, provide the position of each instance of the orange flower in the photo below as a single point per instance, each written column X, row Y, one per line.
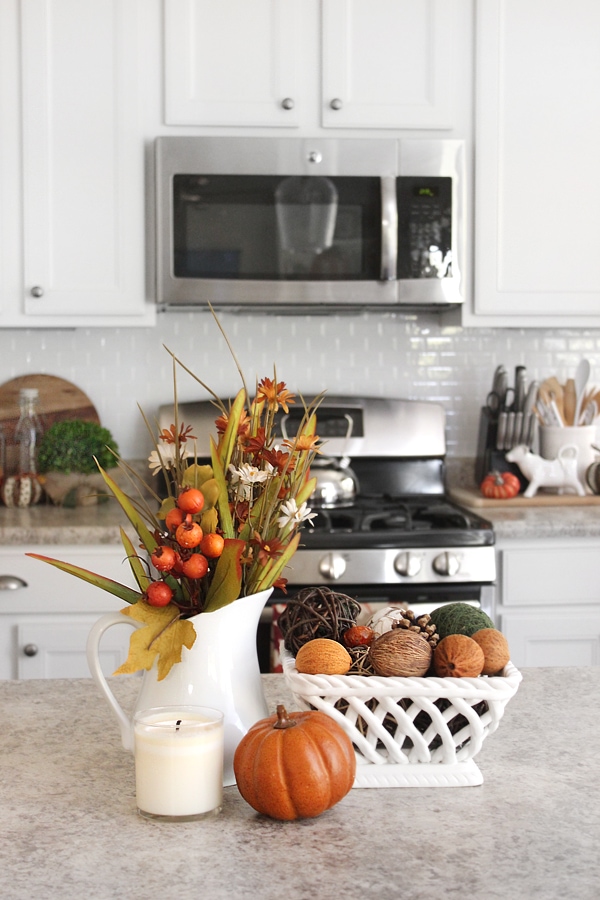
column 254, row 443
column 275, row 394
column 170, row 436
column 278, row 460
column 223, row 421
column 281, row 583
column 267, row 549
column 303, row 442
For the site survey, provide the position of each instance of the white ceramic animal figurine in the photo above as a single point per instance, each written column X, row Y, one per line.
column 558, row 473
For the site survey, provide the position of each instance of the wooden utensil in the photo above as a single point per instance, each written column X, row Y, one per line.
column 570, row 401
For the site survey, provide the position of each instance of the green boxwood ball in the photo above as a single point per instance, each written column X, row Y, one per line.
column 459, row 618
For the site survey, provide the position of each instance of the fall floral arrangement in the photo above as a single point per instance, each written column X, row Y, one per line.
column 226, row 529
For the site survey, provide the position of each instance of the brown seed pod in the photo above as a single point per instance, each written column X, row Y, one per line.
column 323, row 656
column 495, row 650
column 400, row 652
column 458, row 656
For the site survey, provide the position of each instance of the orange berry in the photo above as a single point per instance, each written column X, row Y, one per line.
column 174, row 518
column 195, row 567
column 189, row 535
column 212, row 545
column 159, row 594
column 191, row 500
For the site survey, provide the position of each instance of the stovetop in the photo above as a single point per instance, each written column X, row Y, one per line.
column 377, row 521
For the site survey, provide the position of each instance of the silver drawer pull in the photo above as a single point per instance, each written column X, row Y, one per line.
column 31, row 649
column 11, row 583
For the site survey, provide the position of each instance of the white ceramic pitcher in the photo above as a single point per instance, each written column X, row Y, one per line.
column 220, row 671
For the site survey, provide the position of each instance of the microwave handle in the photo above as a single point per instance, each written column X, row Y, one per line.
column 389, row 229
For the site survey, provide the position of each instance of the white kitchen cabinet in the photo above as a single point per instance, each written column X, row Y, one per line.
column 74, row 163
column 537, row 183
column 46, row 615
column 549, row 601
column 383, row 63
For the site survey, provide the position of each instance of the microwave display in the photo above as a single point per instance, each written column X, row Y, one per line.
column 254, row 227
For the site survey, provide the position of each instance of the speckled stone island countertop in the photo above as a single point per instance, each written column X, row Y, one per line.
column 70, row 828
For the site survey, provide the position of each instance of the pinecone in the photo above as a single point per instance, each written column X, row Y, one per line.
column 421, row 624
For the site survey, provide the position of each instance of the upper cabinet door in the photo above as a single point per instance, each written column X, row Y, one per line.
column 83, row 176
column 537, row 228
column 388, row 63
column 231, row 62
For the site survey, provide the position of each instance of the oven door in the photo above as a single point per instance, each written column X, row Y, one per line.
column 420, row 598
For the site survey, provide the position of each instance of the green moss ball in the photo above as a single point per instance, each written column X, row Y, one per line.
column 459, row 618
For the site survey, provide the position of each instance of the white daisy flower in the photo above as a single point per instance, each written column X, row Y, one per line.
column 246, row 477
column 294, row 515
column 166, row 458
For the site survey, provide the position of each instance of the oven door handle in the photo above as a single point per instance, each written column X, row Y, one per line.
column 389, row 229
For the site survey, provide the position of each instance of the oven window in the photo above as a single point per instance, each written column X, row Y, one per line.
column 312, row 228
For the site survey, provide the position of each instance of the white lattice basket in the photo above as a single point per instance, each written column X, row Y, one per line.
column 409, row 732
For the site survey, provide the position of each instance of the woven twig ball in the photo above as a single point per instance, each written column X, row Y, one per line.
column 316, row 612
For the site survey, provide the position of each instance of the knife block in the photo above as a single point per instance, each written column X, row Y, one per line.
column 488, row 458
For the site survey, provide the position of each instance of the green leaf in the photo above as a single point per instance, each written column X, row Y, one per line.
column 229, row 439
column 131, row 512
column 140, row 573
column 306, row 491
column 196, row 476
column 106, row 584
column 227, row 580
column 223, row 499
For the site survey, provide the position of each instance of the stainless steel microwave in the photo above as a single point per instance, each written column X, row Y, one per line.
column 309, row 224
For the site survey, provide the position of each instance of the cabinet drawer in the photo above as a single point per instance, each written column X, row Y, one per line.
column 46, row 589
column 550, row 576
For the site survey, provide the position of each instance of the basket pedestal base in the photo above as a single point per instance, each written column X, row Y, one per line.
column 460, row 774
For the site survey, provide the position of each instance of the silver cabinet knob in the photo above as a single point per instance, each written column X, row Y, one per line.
column 31, row 649
column 332, row 566
column 37, row 291
column 446, row 564
column 11, row 583
column 287, row 103
column 407, row 564
column 336, row 103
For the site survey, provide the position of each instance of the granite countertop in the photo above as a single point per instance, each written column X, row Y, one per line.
column 532, row 829
column 46, row 524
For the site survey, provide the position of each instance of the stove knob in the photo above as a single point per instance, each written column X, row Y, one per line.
column 446, row 564
column 332, row 566
column 407, row 564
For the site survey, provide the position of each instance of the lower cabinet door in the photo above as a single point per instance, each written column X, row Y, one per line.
column 50, row 649
column 554, row 638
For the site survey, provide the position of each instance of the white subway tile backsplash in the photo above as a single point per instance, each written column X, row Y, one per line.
column 418, row 357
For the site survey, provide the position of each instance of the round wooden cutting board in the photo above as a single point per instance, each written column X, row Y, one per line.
column 59, row 400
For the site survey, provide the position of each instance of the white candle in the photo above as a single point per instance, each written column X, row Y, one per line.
column 178, row 761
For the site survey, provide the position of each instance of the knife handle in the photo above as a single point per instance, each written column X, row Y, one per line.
column 501, row 431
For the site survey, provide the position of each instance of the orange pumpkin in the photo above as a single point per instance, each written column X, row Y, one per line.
column 500, row 485
column 294, row 765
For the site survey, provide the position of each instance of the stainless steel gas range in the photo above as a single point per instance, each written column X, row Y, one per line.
column 386, row 531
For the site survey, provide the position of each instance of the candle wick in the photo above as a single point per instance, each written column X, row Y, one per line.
column 177, row 724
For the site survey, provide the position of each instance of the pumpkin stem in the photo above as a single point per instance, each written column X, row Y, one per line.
column 283, row 720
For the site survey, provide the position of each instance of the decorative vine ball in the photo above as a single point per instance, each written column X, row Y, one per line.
column 317, row 612
column 322, row 656
column 495, row 650
column 400, row 652
column 458, row 656
column 459, row 618
column 294, row 765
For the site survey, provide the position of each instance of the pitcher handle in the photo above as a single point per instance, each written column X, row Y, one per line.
column 93, row 658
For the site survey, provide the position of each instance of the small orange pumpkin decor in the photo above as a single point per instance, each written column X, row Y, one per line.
column 500, row 485
column 294, row 765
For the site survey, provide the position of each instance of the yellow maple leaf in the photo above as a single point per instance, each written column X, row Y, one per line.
column 164, row 635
